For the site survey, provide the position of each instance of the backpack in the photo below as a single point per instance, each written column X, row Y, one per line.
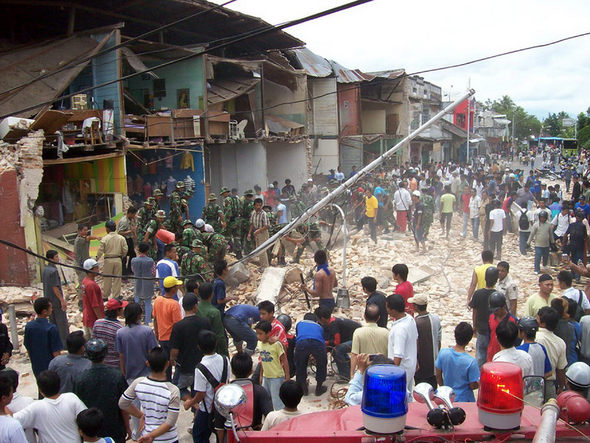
column 579, row 310
column 216, row 385
column 523, row 221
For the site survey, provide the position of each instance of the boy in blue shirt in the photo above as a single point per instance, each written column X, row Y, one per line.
column 456, row 368
column 527, row 331
column 309, row 340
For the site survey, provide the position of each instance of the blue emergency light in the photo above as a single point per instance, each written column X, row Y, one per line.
column 385, row 403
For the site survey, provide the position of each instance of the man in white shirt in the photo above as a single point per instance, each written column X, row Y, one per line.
column 565, row 280
column 507, row 334
column 339, row 175
column 497, row 228
column 11, row 430
column 282, row 214
column 18, row 401
column 474, row 205
column 507, row 286
column 402, row 201
column 561, row 222
column 402, row 346
column 54, row 417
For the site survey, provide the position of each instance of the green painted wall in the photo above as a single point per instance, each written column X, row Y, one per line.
column 187, row 74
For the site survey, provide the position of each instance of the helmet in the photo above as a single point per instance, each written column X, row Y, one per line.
column 212, row 197
column 497, row 301
column 579, row 374
column 160, row 214
column 180, row 184
column 187, row 222
column 110, row 225
column 96, row 349
column 158, row 192
column 573, row 407
column 286, row 321
column 89, row 263
column 199, row 223
column 528, row 324
column 209, row 228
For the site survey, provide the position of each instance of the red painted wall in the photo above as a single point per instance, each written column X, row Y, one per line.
column 461, row 110
column 13, row 263
column 349, row 108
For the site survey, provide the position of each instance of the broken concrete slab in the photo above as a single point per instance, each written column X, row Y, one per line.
column 270, row 285
column 238, row 273
column 417, row 275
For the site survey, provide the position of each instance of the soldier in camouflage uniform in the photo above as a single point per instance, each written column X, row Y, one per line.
column 297, row 207
column 175, row 222
column 156, row 246
column 188, row 234
column 246, row 208
column 194, row 263
column 311, row 233
column 144, row 215
column 231, row 214
column 428, row 212
column 213, row 215
column 158, row 196
column 216, row 246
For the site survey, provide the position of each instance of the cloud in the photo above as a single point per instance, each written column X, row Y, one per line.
column 387, row 34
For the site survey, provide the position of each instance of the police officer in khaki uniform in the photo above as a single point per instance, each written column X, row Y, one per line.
column 114, row 248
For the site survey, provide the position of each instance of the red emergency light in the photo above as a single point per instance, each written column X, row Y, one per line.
column 499, row 401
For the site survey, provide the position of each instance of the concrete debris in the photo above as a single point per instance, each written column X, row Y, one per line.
column 293, row 275
column 270, row 285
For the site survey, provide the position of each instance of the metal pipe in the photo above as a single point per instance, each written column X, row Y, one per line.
column 352, row 180
column 13, row 331
column 344, row 231
column 546, row 430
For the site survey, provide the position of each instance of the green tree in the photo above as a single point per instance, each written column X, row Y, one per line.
column 552, row 125
column 525, row 124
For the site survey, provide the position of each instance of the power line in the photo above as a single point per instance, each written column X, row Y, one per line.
column 120, row 45
column 246, row 36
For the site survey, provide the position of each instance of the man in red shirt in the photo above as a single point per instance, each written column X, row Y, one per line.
column 404, row 287
column 267, row 313
column 465, row 199
column 499, row 314
column 92, row 308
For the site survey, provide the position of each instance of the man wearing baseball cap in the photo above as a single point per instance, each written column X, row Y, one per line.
column 106, row 329
column 429, row 339
column 166, row 312
column 92, row 308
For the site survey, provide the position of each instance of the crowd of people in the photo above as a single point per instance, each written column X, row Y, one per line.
column 137, row 363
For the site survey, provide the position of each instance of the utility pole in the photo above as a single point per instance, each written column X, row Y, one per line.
column 513, row 125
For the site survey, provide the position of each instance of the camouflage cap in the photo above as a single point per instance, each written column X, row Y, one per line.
column 249, row 192
column 187, row 222
column 197, row 243
column 212, row 196
column 148, row 202
column 158, row 192
column 180, row 184
column 160, row 214
column 223, row 190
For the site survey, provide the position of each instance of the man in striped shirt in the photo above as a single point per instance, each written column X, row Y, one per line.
column 259, row 229
column 159, row 399
column 106, row 329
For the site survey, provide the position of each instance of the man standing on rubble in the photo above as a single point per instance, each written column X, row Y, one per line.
column 324, row 281
column 114, row 248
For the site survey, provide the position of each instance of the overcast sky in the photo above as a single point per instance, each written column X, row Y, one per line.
column 417, row 35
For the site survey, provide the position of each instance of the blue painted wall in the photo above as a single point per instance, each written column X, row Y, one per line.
column 104, row 69
column 134, row 167
column 187, row 74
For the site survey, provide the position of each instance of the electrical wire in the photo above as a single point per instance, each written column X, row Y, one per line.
column 243, row 37
column 70, row 65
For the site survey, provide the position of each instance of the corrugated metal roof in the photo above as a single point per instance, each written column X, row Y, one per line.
column 21, row 65
column 313, row 64
column 317, row 66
